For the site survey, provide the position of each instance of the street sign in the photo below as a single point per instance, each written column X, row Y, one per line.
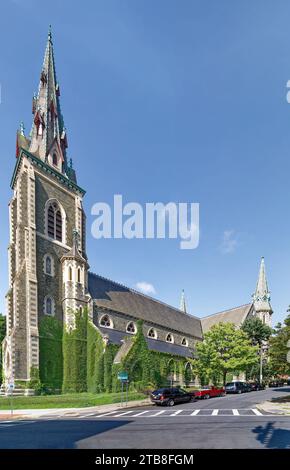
column 123, row 376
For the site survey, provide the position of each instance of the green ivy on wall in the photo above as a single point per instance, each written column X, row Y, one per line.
column 147, row 369
column 50, row 352
column 75, row 355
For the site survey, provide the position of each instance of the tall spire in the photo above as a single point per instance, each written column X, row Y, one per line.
column 182, row 302
column 262, row 295
column 48, row 134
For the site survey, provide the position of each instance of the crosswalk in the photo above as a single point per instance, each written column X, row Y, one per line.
column 163, row 413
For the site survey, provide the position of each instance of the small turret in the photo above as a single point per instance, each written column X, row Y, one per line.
column 75, row 282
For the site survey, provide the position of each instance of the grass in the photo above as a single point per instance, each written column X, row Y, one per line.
column 69, row 400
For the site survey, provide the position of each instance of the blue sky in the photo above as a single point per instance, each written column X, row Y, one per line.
column 167, row 101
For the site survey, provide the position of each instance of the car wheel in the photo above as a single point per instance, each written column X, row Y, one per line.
column 206, row 397
column 170, row 402
column 239, row 392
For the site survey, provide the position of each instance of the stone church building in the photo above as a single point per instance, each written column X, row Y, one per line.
column 49, row 272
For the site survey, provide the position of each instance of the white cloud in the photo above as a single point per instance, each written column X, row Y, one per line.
column 229, row 242
column 146, row 287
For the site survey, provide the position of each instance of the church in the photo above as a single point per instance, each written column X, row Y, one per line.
column 50, row 278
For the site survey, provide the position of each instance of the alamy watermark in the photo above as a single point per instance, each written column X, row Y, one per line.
column 151, row 220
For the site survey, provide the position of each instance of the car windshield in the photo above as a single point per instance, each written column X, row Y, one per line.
column 230, row 384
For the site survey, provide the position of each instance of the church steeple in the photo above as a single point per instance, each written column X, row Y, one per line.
column 261, row 297
column 48, row 133
column 182, row 302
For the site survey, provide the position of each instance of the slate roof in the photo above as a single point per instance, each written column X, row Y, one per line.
column 116, row 297
column 235, row 315
column 116, row 337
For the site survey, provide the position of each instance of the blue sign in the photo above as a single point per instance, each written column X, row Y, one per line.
column 123, row 375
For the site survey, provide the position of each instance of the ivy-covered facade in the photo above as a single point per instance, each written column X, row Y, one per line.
column 83, row 360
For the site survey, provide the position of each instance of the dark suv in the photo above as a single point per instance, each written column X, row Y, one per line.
column 171, row 396
column 236, row 387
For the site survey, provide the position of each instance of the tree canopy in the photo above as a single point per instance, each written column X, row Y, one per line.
column 278, row 348
column 256, row 330
column 225, row 349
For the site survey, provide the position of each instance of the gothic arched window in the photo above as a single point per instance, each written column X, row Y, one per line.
column 54, row 159
column 54, row 221
column 184, row 342
column 70, row 273
column 79, row 275
column 106, row 321
column 48, row 265
column 131, row 327
column 152, row 333
column 48, row 306
column 169, row 338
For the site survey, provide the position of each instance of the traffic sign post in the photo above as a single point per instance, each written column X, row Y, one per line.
column 123, row 377
column 10, row 387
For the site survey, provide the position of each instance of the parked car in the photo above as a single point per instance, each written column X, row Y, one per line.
column 276, row 383
column 236, row 387
column 171, row 396
column 256, row 386
column 209, row 392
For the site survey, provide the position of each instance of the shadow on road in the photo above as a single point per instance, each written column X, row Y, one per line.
column 272, row 438
column 53, row 434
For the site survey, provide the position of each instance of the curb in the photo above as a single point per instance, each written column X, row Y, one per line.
column 37, row 413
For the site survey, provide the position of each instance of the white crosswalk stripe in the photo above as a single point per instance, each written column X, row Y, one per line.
column 215, row 412
column 195, row 412
column 142, row 413
column 176, row 413
column 159, row 413
column 257, row 412
column 236, row 413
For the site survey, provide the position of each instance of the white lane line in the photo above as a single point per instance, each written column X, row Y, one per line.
column 257, row 412
column 176, row 413
column 106, row 414
column 157, row 414
column 142, row 413
column 194, row 413
column 122, row 414
column 215, row 412
column 236, row 413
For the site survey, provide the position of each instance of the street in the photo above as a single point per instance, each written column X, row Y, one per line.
column 230, row 422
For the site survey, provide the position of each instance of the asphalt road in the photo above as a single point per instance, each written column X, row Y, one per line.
column 230, row 422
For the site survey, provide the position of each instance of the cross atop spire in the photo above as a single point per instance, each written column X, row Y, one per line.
column 48, row 133
column 262, row 294
column 182, row 302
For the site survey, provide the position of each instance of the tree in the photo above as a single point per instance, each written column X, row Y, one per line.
column 278, row 348
column 259, row 334
column 224, row 349
column 2, row 336
column 256, row 331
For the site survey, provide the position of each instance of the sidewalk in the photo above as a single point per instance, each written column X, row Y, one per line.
column 37, row 413
column 274, row 408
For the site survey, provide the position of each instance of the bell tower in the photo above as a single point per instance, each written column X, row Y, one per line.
column 45, row 209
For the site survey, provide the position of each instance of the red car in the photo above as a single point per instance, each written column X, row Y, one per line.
column 209, row 392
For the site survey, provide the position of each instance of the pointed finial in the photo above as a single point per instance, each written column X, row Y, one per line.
column 49, row 33
column 182, row 302
column 22, row 128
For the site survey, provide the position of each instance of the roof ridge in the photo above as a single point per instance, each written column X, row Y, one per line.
column 144, row 295
column 227, row 310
